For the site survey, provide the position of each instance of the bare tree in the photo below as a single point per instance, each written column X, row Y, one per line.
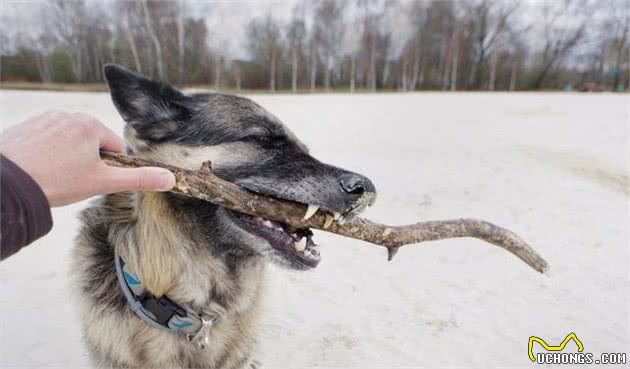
column 618, row 28
column 328, row 21
column 369, row 44
column 490, row 19
column 181, row 36
column 68, row 21
column 455, row 47
column 561, row 35
column 296, row 34
column 417, row 14
column 313, row 64
column 237, row 75
column 218, row 69
column 154, row 38
column 264, row 42
column 129, row 32
column 369, row 40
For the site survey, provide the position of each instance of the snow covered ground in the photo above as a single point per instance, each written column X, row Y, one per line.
column 552, row 167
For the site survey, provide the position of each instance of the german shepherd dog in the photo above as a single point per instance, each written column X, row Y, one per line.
column 188, row 253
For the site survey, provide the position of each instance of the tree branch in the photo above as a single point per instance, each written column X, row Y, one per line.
column 203, row 184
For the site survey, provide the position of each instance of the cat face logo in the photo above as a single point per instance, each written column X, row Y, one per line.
column 560, row 347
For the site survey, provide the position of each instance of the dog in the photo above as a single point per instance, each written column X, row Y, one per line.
column 168, row 281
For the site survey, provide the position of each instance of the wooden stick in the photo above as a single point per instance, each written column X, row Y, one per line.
column 204, row 185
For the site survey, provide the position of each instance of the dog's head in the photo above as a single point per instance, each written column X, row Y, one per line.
column 247, row 146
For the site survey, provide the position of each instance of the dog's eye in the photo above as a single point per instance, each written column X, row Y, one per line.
column 266, row 140
column 255, row 139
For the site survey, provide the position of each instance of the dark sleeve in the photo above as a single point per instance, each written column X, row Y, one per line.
column 25, row 214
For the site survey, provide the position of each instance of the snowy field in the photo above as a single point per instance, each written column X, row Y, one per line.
column 552, row 167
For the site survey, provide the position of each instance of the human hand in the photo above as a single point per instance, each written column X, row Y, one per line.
column 60, row 151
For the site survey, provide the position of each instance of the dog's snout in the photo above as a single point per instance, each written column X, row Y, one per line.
column 356, row 184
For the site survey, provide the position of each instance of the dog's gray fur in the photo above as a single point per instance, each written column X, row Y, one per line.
column 194, row 252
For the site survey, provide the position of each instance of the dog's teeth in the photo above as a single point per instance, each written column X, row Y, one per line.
column 300, row 245
column 341, row 220
column 268, row 224
column 310, row 211
column 337, row 215
column 328, row 222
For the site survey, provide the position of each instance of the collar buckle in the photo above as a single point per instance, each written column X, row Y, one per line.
column 162, row 312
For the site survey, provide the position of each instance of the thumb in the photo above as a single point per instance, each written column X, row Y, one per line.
column 138, row 179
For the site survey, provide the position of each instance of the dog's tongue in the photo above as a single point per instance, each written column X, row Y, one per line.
column 294, row 240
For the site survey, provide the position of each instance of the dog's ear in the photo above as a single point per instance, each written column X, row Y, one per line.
column 153, row 109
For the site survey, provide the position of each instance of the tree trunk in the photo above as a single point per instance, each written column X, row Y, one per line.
column 237, row 72
column 416, row 69
column 421, row 77
column 372, row 78
column 294, row 68
column 181, row 50
column 471, row 76
column 600, row 66
column 272, row 71
column 493, row 71
column 313, row 70
column 111, row 44
column 619, row 61
column 156, row 41
column 538, row 81
column 513, row 76
column 218, row 68
column 454, row 65
column 132, row 46
column 443, row 63
column 478, row 68
column 43, row 67
column 327, row 74
column 76, row 57
column 403, row 74
column 97, row 61
column 353, row 62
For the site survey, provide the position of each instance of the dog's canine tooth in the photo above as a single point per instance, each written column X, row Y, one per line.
column 337, row 215
column 268, row 224
column 329, row 221
column 300, row 245
column 310, row 211
column 341, row 220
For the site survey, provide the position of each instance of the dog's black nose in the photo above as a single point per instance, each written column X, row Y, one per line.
column 356, row 184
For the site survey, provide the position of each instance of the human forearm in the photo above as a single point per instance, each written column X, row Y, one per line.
column 25, row 214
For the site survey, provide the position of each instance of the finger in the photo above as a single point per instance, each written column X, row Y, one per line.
column 109, row 141
column 137, row 179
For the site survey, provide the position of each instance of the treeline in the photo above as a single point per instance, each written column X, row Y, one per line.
column 334, row 45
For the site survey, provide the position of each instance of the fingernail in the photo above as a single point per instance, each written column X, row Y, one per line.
column 167, row 180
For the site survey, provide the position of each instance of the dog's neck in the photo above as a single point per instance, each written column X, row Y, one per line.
column 159, row 248
column 164, row 245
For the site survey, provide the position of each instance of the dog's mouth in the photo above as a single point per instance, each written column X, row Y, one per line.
column 295, row 244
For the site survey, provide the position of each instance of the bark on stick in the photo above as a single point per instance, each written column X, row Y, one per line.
column 203, row 184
